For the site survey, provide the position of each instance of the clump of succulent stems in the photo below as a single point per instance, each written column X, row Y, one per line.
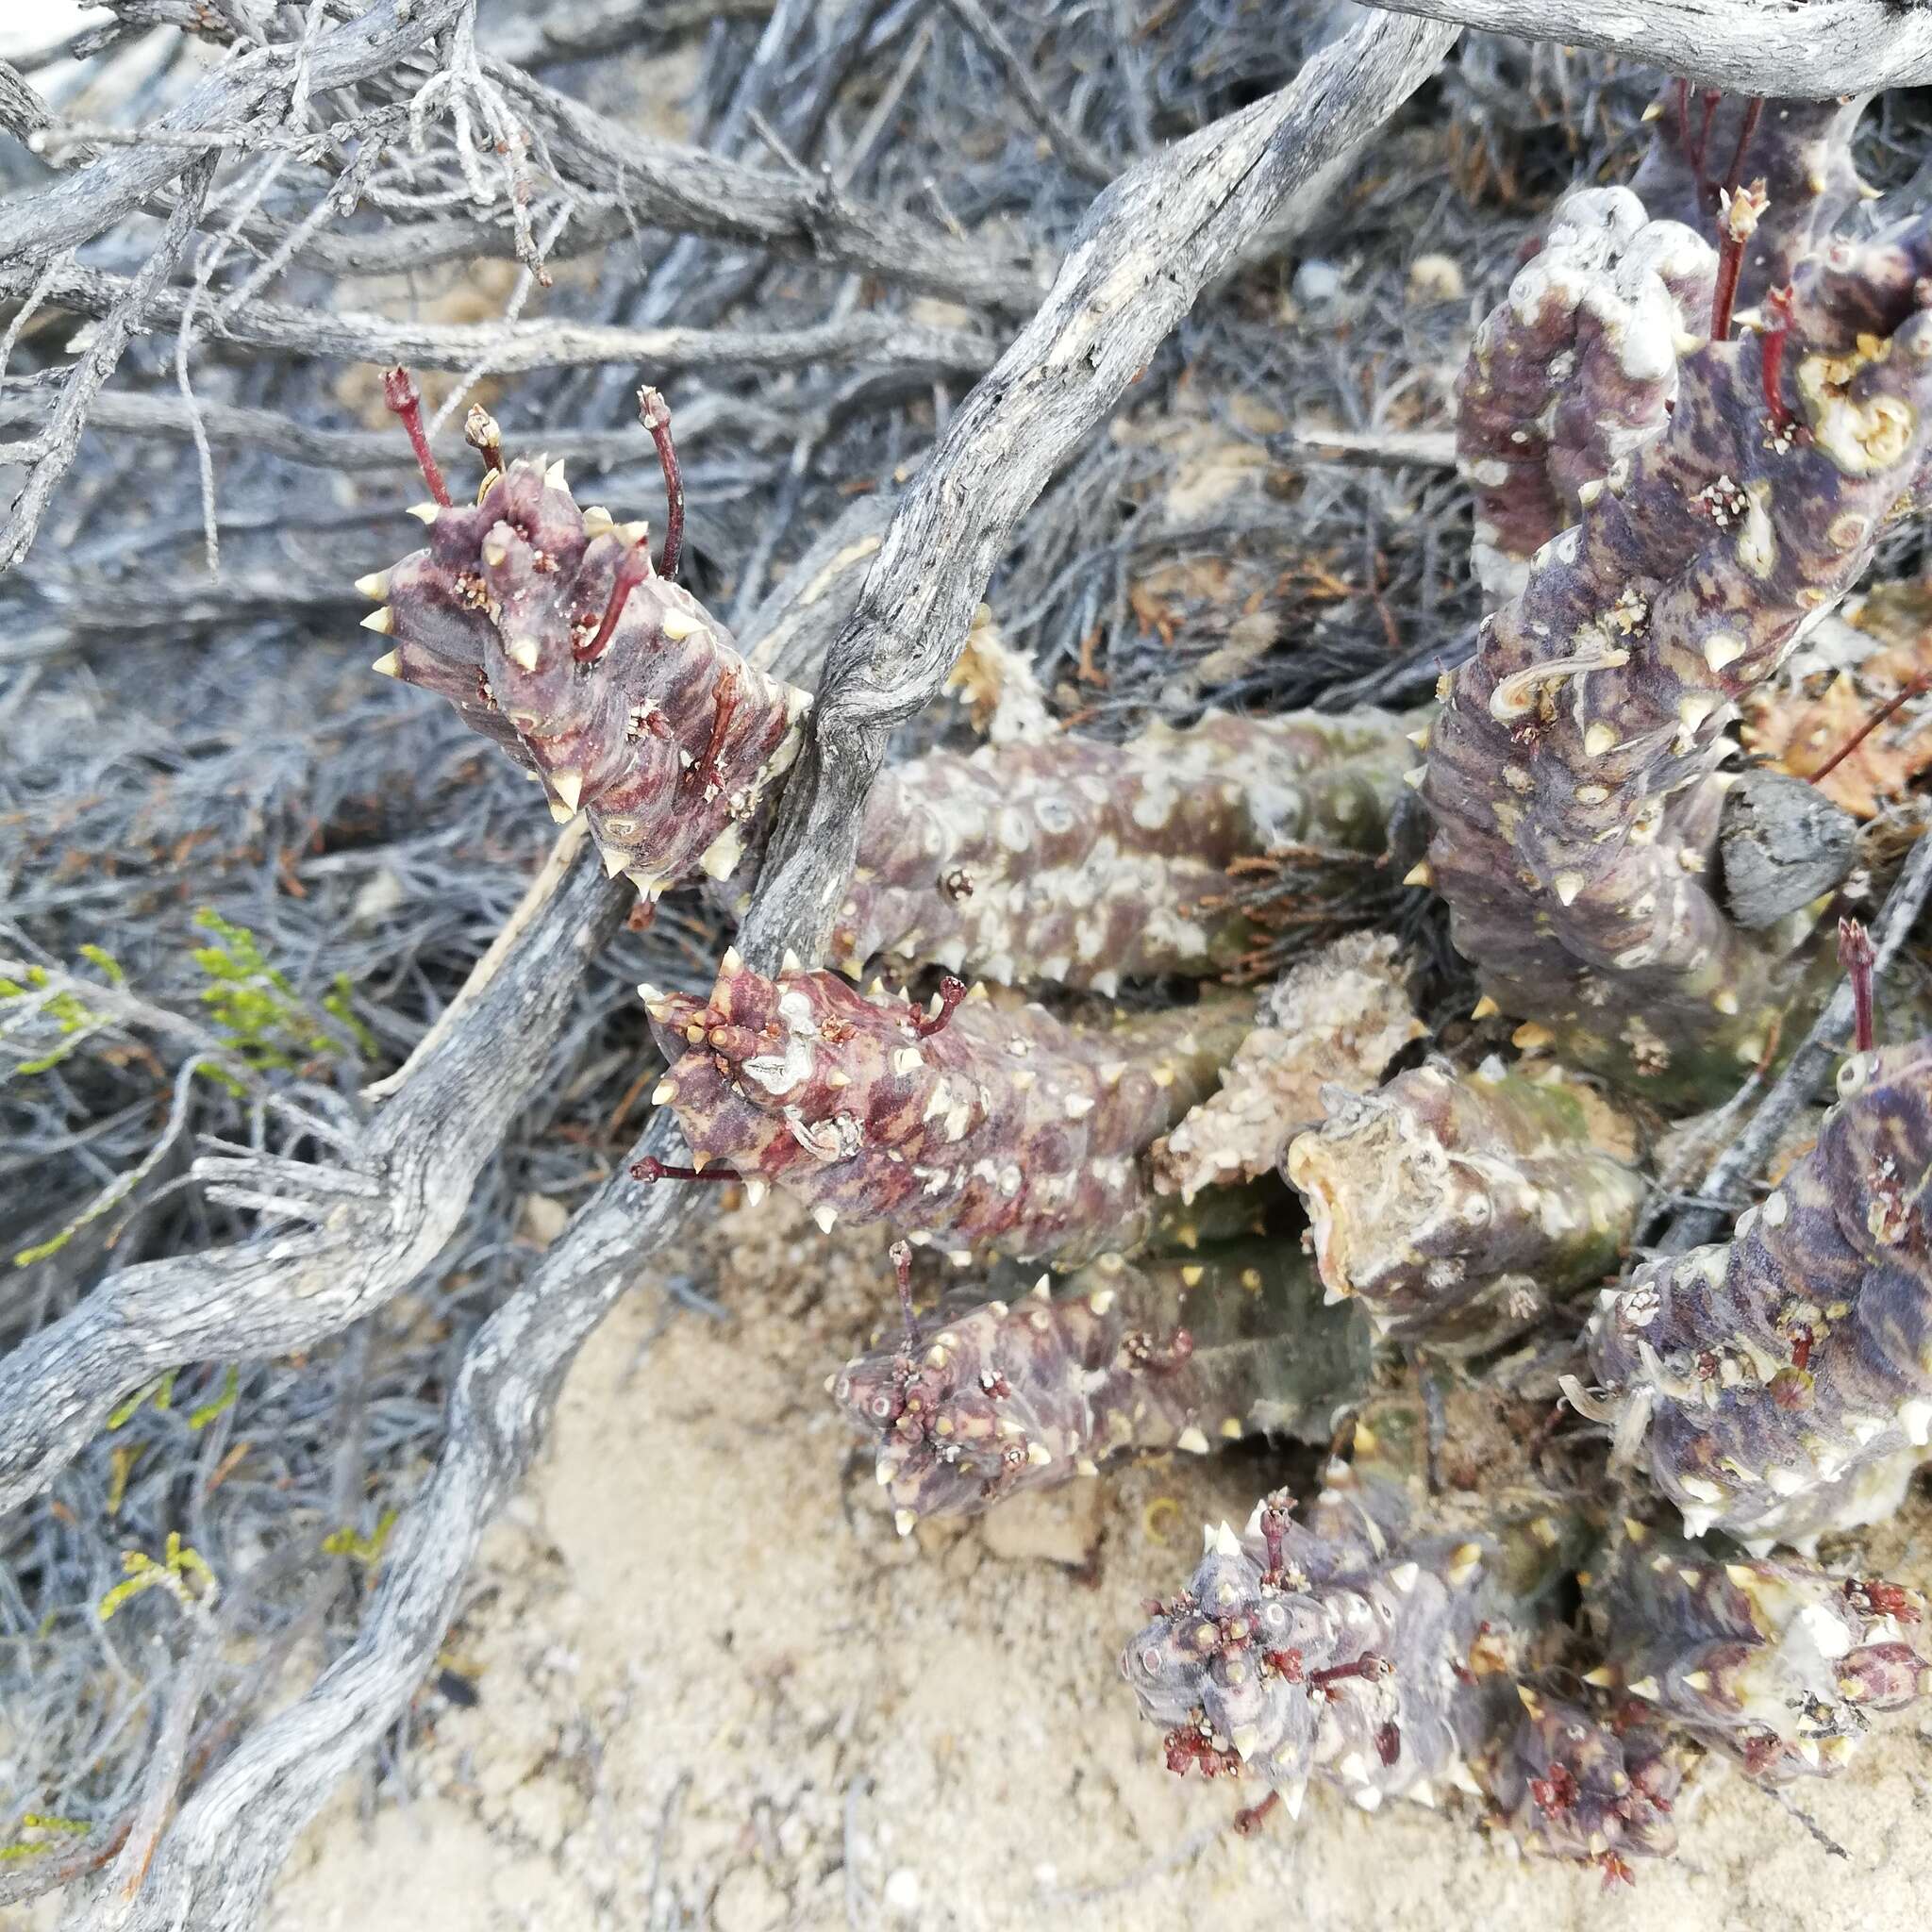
column 1067, row 860
column 1666, row 503
column 1356, row 1225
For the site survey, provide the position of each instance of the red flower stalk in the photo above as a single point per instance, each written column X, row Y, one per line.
column 399, row 392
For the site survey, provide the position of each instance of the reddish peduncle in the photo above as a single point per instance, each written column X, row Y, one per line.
column 399, row 392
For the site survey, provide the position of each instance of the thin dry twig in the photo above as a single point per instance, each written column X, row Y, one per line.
column 133, row 301
column 1429, row 449
column 1069, row 144
column 141, row 412
column 81, row 206
column 516, row 348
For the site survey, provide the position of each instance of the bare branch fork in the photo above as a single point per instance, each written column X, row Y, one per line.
column 1140, row 257
column 374, row 1224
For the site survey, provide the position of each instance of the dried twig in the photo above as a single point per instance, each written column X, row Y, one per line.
column 141, row 412
column 1069, row 144
column 69, row 210
column 513, row 349
column 610, row 28
column 690, row 191
column 374, row 1224
column 1429, row 449
column 133, row 302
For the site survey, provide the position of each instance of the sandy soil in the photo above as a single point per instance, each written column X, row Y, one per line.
column 715, row 1689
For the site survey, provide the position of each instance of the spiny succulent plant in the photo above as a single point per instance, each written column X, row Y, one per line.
column 979, row 1400
column 1354, row 1644
column 1664, row 518
column 1573, row 772
column 1570, row 1784
column 1081, row 863
column 1779, row 1385
column 1335, row 1020
column 979, row 1126
column 1459, row 1208
column 1573, row 370
column 549, row 629
column 1664, row 510
column 1772, row 1662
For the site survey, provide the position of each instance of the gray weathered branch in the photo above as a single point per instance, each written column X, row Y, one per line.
column 213, row 1869
column 583, row 33
column 701, row 419
column 1145, row 250
column 121, row 320
column 657, row 183
column 437, row 238
column 374, row 1225
column 663, row 185
column 1812, row 50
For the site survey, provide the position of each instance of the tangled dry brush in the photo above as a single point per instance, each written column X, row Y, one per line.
column 1364, row 967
